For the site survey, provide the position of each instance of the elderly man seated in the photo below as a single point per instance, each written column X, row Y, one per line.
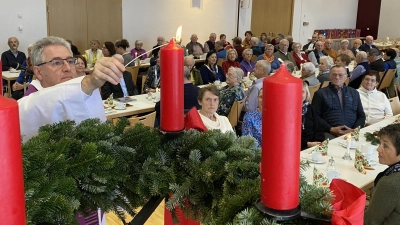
column 194, row 47
column 308, row 74
column 317, row 53
column 375, row 103
column 359, row 70
column 283, row 53
column 375, row 60
column 210, row 44
column 368, row 44
column 195, row 76
column 338, row 106
column 329, row 50
column 254, row 46
column 307, row 48
column 219, row 48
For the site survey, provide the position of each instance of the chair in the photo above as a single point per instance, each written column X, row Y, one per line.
column 381, row 74
column 395, row 104
column 387, row 80
column 147, row 120
column 254, row 58
column 347, row 81
column 220, row 61
column 234, row 114
column 143, row 81
column 325, row 84
column 313, row 89
column 134, row 70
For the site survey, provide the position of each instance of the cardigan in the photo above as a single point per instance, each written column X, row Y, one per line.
column 222, row 123
column 375, row 104
column 357, row 74
column 284, row 57
column 7, row 57
column 312, row 130
column 298, row 60
column 208, row 76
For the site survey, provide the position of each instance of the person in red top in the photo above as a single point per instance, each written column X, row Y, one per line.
column 299, row 56
column 231, row 56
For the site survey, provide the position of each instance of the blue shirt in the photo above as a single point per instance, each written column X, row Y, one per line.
column 20, row 78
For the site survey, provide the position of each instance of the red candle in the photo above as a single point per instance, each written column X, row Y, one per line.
column 281, row 139
column 12, row 201
column 171, row 63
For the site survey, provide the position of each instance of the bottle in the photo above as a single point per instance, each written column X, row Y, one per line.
column 332, row 172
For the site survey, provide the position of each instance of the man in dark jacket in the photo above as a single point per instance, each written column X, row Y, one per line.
column 375, row 60
column 338, row 106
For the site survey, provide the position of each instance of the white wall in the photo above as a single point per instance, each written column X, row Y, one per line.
column 244, row 19
column 145, row 20
column 389, row 19
column 33, row 22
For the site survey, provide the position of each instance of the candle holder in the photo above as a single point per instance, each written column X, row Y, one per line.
column 347, row 156
column 279, row 215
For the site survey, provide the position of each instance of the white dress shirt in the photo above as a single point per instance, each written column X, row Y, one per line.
column 376, row 105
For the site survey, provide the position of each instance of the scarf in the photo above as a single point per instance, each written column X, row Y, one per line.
column 391, row 169
column 269, row 59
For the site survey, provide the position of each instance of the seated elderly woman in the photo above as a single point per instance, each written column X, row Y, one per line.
column 138, row 50
column 254, row 46
column 358, row 72
column 231, row 56
column 311, row 131
column 124, row 89
column 252, row 121
column 80, row 65
column 308, row 74
column 343, row 60
column 384, row 206
column 232, row 92
column 269, row 56
column 210, row 71
column 344, row 45
column 375, row 103
column 325, row 65
column 299, row 56
column 356, row 46
column 208, row 99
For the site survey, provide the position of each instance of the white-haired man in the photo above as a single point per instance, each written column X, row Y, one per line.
column 368, row 44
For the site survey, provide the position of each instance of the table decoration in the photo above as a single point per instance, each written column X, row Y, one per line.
column 372, row 137
column 347, row 154
column 323, row 147
column 361, row 163
column 355, row 134
column 319, row 179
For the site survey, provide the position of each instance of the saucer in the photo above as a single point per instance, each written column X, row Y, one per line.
column 118, row 108
column 321, row 161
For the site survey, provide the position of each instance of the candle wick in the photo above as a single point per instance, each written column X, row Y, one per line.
column 145, row 53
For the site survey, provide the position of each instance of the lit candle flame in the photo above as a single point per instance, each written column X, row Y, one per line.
column 348, row 136
column 178, row 34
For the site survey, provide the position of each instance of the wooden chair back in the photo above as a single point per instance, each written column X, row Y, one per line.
column 134, row 70
column 147, row 120
column 143, row 81
column 347, row 81
column 313, row 89
column 387, row 80
column 234, row 114
column 254, row 58
column 381, row 75
column 325, row 84
column 395, row 104
column 220, row 61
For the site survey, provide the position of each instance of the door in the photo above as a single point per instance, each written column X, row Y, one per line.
column 272, row 16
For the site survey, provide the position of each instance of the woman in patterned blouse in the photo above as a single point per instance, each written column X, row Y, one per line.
column 232, row 92
column 252, row 121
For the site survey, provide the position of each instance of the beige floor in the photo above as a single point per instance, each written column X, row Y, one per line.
column 156, row 218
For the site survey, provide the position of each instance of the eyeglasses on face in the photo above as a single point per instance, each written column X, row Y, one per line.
column 58, row 62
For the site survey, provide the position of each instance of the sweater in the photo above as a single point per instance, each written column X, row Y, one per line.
column 375, row 104
column 327, row 105
column 222, row 123
column 384, row 206
column 357, row 74
column 378, row 65
column 8, row 56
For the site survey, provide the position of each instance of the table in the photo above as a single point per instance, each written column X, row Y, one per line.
column 10, row 76
column 346, row 168
column 382, row 46
column 141, row 105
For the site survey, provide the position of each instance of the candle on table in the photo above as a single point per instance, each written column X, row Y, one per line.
column 171, row 68
column 348, row 138
column 12, row 199
column 281, row 136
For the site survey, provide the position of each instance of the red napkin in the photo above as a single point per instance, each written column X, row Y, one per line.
column 193, row 121
column 349, row 203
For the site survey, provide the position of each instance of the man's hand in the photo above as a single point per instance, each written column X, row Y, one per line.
column 340, row 130
column 17, row 86
column 312, row 144
column 106, row 69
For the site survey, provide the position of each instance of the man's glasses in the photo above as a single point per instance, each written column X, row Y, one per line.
column 57, row 62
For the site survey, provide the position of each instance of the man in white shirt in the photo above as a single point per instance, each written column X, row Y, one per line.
column 62, row 97
column 307, row 48
column 375, row 103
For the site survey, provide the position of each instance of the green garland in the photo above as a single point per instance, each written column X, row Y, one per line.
column 213, row 177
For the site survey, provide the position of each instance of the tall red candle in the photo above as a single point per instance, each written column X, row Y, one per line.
column 12, row 201
column 281, row 140
column 171, row 63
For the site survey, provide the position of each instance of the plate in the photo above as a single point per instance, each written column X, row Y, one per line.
column 126, row 99
column 322, row 161
column 117, row 108
column 344, row 145
column 106, row 106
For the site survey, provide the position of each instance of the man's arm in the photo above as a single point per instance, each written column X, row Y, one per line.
column 206, row 48
column 4, row 60
column 360, row 111
column 313, row 59
column 317, row 103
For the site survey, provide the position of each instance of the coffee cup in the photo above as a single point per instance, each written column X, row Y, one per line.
column 121, row 105
column 316, row 156
column 12, row 70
